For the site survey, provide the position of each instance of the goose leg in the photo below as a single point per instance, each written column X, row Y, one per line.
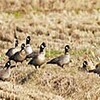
column 39, row 66
column 36, row 67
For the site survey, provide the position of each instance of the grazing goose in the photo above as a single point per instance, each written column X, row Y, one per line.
column 11, row 51
column 20, row 55
column 28, row 48
column 86, row 66
column 96, row 70
column 5, row 71
column 38, row 58
column 63, row 59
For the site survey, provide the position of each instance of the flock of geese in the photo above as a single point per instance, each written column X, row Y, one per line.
column 37, row 58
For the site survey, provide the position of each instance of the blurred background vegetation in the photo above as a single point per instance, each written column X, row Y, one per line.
column 25, row 6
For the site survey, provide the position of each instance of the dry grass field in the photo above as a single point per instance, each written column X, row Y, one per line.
column 56, row 22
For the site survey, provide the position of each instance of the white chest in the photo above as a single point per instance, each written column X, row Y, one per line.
column 41, row 57
column 66, row 59
column 28, row 49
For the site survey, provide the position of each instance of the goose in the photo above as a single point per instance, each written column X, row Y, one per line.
column 11, row 51
column 87, row 66
column 96, row 70
column 38, row 58
column 63, row 59
column 20, row 55
column 28, row 48
column 84, row 66
column 5, row 71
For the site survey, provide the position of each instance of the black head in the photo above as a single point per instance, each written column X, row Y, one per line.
column 8, row 64
column 16, row 43
column 67, row 48
column 28, row 40
column 85, row 63
column 22, row 46
column 42, row 46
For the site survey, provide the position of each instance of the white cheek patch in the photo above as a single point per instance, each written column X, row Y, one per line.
column 67, row 48
column 85, row 63
column 27, row 38
column 42, row 46
column 8, row 63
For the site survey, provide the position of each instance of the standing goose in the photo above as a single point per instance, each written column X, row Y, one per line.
column 63, row 59
column 20, row 55
column 28, row 48
column 5, row 71
column 38, row 58
column 12, row 51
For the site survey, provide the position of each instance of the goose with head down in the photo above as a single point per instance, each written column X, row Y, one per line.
column 86, row 66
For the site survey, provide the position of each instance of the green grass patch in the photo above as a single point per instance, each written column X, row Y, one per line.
column 53, row 53
column 98, row 9
column 2, row 57
column 77, row 11
column 16, row 14
column 79, row 52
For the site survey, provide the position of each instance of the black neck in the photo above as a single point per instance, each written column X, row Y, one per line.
column 27, row 41
column 66, row 51
column 84, row 66
column 6, row 66
column 41, row 49
column 16, row 44
column 21, row 49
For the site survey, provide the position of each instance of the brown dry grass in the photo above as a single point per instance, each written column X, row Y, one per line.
column 57, row 23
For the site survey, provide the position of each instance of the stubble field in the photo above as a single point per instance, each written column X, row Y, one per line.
column 56, row 22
